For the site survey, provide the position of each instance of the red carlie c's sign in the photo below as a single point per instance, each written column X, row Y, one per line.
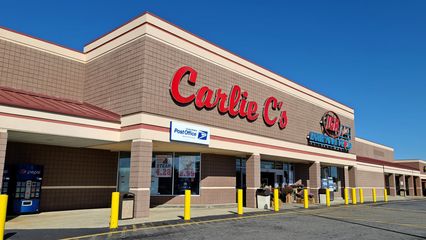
column 234, row 104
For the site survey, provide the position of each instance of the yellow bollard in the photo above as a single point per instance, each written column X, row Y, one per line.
column 3, row 210
column 240, row 202
column 187, row 208
column 354, row 196
column 327, row 197
column 361, row 196
column 305, row 198
column 115, row 201
column 374, row 195
column 276, row 200
column 386, row 195
column 346, row 196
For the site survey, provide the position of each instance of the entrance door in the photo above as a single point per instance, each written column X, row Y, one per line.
column 267, row 178
column 387, row 184
column 279, row 178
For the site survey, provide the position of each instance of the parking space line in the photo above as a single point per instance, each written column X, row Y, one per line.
column 370, row 220
column 402, row 210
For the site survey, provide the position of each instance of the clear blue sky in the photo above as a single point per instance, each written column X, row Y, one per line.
column 370, row 55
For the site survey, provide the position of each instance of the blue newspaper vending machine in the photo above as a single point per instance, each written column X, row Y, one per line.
column 26, row 188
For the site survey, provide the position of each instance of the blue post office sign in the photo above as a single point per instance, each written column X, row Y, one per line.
column 185, row 132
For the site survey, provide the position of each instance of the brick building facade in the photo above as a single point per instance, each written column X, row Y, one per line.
column 99, row 121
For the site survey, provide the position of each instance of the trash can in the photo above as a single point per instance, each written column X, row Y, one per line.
column 263, row 197
column 322, row 195
column 402, row 192
column 127, row 205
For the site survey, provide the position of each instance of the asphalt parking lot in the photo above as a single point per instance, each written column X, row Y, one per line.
column 393, row 220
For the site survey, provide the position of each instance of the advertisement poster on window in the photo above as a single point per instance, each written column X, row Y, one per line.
column 163, row 166
column 187, row 167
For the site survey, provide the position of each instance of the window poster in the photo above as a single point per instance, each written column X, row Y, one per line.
column 163, row 166
column 187, row 166
column 154, row 183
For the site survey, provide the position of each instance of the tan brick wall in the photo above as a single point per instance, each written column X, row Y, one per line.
column 417, row 165
column 69, row 167
column 114, row 81
column 161, row 63
column 367, row 180
column 3, row 145
column 369, row 151
column 36, row 71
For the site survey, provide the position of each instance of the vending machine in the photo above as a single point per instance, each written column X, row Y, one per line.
column 25, row 188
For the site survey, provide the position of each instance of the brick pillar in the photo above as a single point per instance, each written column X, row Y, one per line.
column 392, row 185
column 252, row 179
column 140, row 175
column 3, row 143
column 410, row 185
column 352, row 171
column 346, row 179
column 346, row 176
column 315, row 179
column 418, row 186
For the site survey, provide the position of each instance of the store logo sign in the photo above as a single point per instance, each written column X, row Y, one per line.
column 184, row 132
column 234, row 104
column 202, row 135
column 334, row 136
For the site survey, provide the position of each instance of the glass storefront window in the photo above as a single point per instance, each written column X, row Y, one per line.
column 240, row 172
column 123, row 171
column 173, row 173
column 162, row 174
column 329, row 177
column 276, row 173
column 186, row 173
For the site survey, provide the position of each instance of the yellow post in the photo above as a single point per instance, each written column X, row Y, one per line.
column 361, row 196
column 386, row 195
column 187, row 208
column 346, row 196
column 240, row 202
column 115, row 201
column 327, row 197
column 3, row 209
column 374, row 195
column 305, row 198
column 354, row 196
column 276, row 200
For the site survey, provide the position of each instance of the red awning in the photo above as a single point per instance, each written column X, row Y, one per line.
column 383, row 163
column 35, row 101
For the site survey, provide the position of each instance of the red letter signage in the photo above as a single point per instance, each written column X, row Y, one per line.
column 234, row 104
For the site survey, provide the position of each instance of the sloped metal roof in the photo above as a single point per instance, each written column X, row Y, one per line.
column 34, row 101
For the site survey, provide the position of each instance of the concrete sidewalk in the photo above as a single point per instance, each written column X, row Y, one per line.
column 99, row 218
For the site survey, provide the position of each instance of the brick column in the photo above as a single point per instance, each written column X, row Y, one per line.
column 410, row 186
column 392, row 185
column 346, row 179
column 3, row 144
column 418, row 186
column 140, row 175
column 352, row 171
column 315, row 179
column 252, row 179
column 346, row 176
